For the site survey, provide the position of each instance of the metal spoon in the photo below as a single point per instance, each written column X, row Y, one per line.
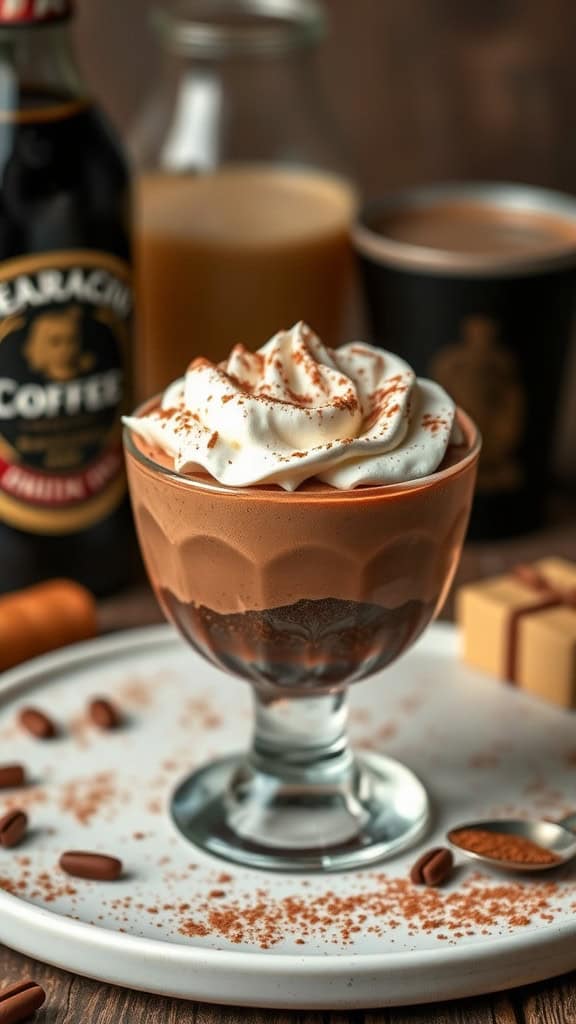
column 558, row 837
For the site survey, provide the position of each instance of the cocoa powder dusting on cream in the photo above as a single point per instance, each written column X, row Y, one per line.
column 434, row 423
column 384, row 403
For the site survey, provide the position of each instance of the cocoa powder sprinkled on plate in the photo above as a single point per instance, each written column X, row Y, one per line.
column 26, row 798
column 201, row 712
column 139, row 693
column 38, row 887
column 474, row 908
column 379, row 907
column 85, row 798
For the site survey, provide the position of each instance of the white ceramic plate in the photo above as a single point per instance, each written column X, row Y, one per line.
column 182, row 924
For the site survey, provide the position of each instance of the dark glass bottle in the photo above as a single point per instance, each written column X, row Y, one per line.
column 65, row 314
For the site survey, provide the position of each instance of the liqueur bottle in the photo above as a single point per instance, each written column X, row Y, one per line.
column 65, row 313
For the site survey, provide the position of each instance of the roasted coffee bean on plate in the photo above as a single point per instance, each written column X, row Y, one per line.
column 37, row 723
column 104, row 714
column 12, row 776
column 13, row 827
column 433, row 868
column 97, row 867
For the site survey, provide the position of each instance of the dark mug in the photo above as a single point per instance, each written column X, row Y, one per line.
column 474, row 285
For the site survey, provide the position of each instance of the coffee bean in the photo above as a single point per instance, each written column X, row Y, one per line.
column 18, row 1002
column 37, row 723
column 97, row 867
column 12, row 775
column 13, row 828
column 104, row 714
column 433, row 867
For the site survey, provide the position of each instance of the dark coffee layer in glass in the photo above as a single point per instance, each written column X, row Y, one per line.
column 312, row 644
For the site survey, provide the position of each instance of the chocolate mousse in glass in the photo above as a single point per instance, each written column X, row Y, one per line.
column 301, row 513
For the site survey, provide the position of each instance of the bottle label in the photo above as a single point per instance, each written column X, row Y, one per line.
column 19, row 12
column 64, row 349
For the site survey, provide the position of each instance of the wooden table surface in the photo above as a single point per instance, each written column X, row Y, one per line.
column 75, row 1000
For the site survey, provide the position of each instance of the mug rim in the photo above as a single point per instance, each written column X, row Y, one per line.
column 506, row 196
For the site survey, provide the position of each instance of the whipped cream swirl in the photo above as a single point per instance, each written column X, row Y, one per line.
column 295, row 409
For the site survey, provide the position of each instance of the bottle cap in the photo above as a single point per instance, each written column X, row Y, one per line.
column 28, row 12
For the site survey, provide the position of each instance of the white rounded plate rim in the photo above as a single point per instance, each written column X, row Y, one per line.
column 441, row 638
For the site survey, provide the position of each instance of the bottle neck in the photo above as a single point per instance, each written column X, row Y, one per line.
column 37, row 65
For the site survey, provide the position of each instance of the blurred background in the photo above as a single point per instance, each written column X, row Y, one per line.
column 414, row 92
column 257, row 145
column 420, row 90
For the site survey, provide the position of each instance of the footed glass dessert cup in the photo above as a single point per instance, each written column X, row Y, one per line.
column 301, row 594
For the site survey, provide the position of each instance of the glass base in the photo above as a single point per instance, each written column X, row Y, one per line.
column 240, row 813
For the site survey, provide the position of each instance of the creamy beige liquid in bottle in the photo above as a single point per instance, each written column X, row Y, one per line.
column 228, row 256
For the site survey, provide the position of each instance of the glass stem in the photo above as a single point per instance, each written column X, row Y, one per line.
column 302, row 739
